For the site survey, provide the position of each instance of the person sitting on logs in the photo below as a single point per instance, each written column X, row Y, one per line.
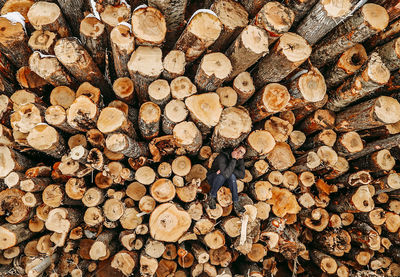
column 226, row 168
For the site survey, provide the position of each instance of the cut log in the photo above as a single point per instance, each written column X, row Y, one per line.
column 233, row 126
column 13, row 234
column 149, row 120
column 300, row 8
column 288, row 53
column 174, row 64
column 141, row 75
column 205, row 110
column 94, row 37
column 178, row 222
column 122, row 44
column 349, row 142
column 81, row 65
column 281, row 156
column 373, row 75
column 14, row 41
column 363, row 234
column 317, row 121
column 162, row 190
column 182, row 87
column 159, row 92
column 115, row 13
column 244, row 87
column 369, row 114
column 380, row 160
column 46, row 139
column 61, row 220
column 249, row 46
column 201, row 32
column 227, row 96
column 48, row 17
column 233, row 18
column 275, row 18
column 365, row 22
column 271, row 99
column 213, row 70
column 174, row 13
column 148, row 26
column 349, row 62
column 280, row 129
column 174, row 112
column 62, row 96
column 43, row 41
column 82, row 114
column 356, row 201
column 259, row 143
column 12, row 161
column 324, row 261
column 326, row 137
column 50, row 69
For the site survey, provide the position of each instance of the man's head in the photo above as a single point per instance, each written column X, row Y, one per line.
column 238, row 152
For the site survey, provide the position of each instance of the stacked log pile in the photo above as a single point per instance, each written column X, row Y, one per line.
column 112, row 112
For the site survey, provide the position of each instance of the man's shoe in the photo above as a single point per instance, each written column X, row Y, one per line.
column 212, row 203
column 238, row 208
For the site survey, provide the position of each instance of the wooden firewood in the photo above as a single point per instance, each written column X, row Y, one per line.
column 50, row 69
column 123, row 88
column 148, row 26
column 378, row 161
column 62, row 96
column 233, row 17
column 225, row 135
column 326, row 137
column 318, row 120
column 359, row 200
column 26, row 117
column 14, row 41
column 371, row 77
column 227, row 96
column 280, row 129
column 46, row 139
column 249, row 46
column 259, row 143
column 114, row 120
column 162, row 190
column 362, row 233
column 275, row 157
column 271, row 99
column 349, row 62
column 213, row 70
column 288, row 53
column 180, row 222
column 275, row 18
column 81, row 65
column 324, row 261
column 159, row 92
column 143, row 76
column 115, row 13
column 13, row 234
column 243, row 86
column 349, row 142
column 174, row 112
column 174, row 64
column 369, row 114
column 6, row 86
column 308, row 87
column 52, row 20
column 205, row 110
column 149, row 120
column 367, row 21
column 12, row 161
column 94, row 38
column 201, row 32
column 122, row 44
column 43, row 41
column 252, row 6
column 383, row 36
column 82, row 114
column 323, row 17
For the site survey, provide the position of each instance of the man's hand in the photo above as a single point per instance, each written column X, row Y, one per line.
column 219, row 171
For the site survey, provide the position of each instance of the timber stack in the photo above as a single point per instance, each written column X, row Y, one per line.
column 113, row 111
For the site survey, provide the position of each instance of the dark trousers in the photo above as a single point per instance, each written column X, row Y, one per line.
column 218, row 180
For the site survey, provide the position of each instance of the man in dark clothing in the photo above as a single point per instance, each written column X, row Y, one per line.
column 226, row 168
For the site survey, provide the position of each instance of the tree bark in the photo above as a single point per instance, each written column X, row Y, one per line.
column 373, row 75
column 250, row 45
column 122, row 44
column 288, row 53
column 94, row 37
column 369, row 114
column 200, row 33
column 361, row 25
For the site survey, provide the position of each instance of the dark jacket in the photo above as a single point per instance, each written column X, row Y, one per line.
column 228, row 166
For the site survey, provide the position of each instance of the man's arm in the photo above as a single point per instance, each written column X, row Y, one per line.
column 240, row 169
column 225, row 165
